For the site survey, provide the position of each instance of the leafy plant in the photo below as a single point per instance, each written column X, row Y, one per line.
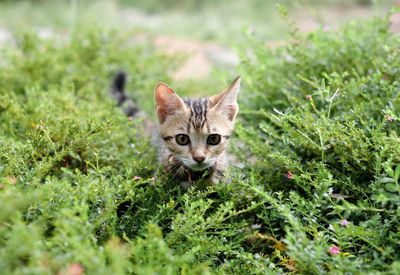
column 324, row 132
column 318, row 143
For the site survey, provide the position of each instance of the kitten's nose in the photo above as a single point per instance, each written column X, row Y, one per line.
column 199, row 159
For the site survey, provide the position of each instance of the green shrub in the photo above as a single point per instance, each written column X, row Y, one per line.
column 68, row 156
column 324, row 116
column 77, row 186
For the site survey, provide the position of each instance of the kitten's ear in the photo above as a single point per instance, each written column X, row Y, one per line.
column 226, row 101
column 167, row 102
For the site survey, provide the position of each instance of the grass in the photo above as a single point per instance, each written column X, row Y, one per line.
column 318, row 139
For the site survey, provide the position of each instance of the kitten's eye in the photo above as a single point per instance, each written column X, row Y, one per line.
column 182, row 139
column 213, row 139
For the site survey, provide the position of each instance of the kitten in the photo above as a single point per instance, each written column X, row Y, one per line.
column 194, row 133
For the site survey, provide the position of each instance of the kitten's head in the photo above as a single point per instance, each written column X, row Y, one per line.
column 196, row 132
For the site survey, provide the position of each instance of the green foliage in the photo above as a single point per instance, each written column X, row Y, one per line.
column 77, row 186
column 322, row 123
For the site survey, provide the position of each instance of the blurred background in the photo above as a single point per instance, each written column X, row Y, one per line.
column 205, row 33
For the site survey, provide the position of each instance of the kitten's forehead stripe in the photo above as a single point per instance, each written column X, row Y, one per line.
column 203, row 123
column 188, row 127
column 198, row 112
column 197, row 109
column 204, row 103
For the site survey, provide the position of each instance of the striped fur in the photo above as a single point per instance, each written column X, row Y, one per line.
column 123, row 100
column 197, row 119
column 202, row 122
column 198, row 113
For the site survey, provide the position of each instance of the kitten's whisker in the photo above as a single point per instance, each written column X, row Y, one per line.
column 177, row 169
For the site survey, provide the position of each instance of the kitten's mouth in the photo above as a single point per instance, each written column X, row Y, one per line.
column 199, row 167
column 192, row 167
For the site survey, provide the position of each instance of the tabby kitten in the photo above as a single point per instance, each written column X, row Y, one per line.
column 194, row 133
